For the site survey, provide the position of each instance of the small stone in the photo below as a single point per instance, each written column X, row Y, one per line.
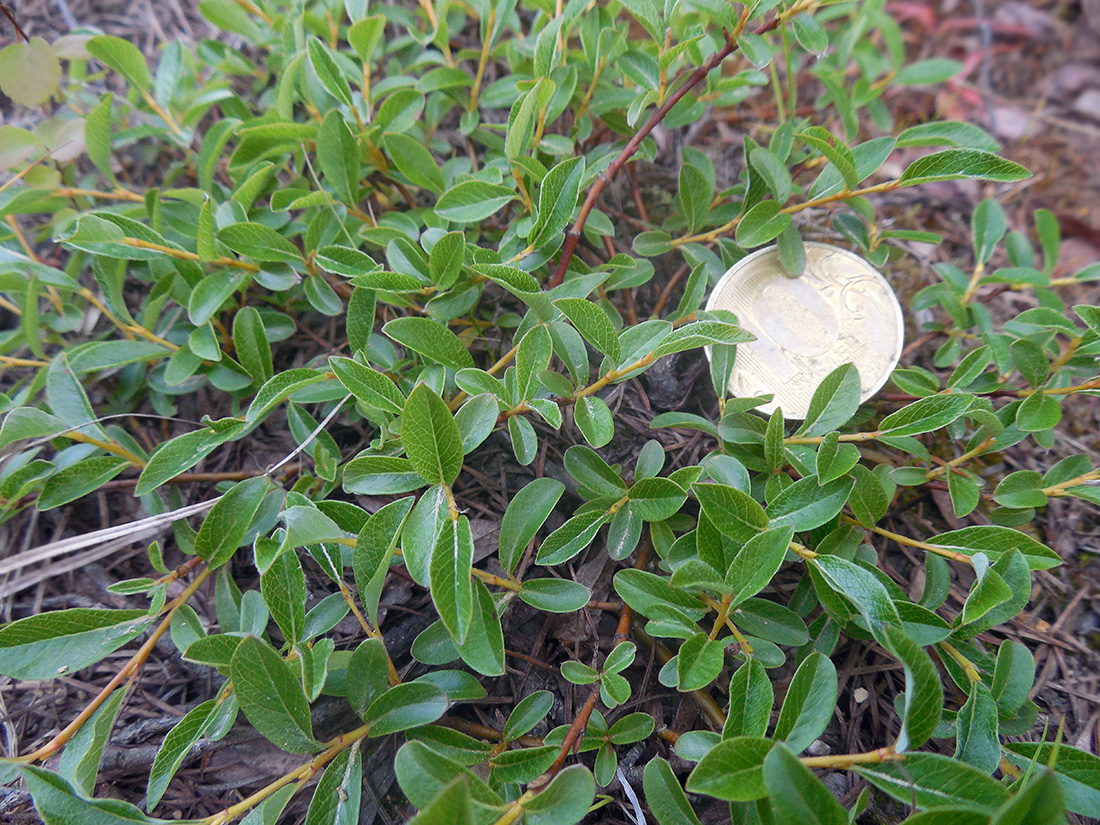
column 1088, row 104
column 860, row 695
column 818, row 748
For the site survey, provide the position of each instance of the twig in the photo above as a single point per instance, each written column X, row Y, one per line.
column 696, row 77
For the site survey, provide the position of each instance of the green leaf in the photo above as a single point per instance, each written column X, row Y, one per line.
column 804, row 799
column 1038, row 412
column 177, row 744
column 77, row 480
column 338, row 154
column 834, row 402
column 923, row 702
column 976, row 724
column 931, row 780
column 564, row 801
column 368, row 675
column 751, row 700
column 664, row 796
column 761, row 224
column 324, row 66
column 484, row 646
column 1040, row 803
column 476, row 419
column 423, row 773
column 701, row 334
column 557, row 199
column 530, row 710
column 368, row 385
column 337, row 798
column 698, row 662
column 656, row 499
column 82, row 755
column 524, row 439
column 806, row 505
column 381, row 475
column 405, row 706
column 271, row 697
column 431, row 339
column 734, row 513
column 445, row 259
column 809, row 703
column 988, row 225
column 834, row 458
column 926, row 414
column 839, row 155
column 733, row 770
column 97, row 137
column 928, row 72
column 555, row 595
column 259, row 242
column 430, row 436
column 452, row 592
column 572, row 537
column 226, row 525
column 48, row 645
column 278, row 389
column 948, row 133
column 959, row 164
column 251, row 344
column 868, row 500
column 525, row 514
column 283, row 586
column 472, row 201
column 591, row 322
column 1077, row 771
column 861, row 587
column 695, row 194
column 415, row 162
column 994, row 540
column 124, row 57
column 1013, row 676
column 594, row 420
column 59, row 803
column 757, row 562
column 756, row 49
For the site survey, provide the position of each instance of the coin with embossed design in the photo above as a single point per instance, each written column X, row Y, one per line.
column 839, row 310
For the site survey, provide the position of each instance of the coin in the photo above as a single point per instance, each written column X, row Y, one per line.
column 839, row 310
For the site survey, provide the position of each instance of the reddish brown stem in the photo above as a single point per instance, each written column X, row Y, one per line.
column 574, row 234
column 576, row 730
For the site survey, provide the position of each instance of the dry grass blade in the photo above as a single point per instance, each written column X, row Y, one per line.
column 118, row 536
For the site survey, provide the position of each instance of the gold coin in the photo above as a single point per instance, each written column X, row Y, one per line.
column 839, row 310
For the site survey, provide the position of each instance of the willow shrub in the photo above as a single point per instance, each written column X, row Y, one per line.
column 418, row 178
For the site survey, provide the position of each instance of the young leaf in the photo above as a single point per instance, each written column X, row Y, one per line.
column 431, row 437
column 557, row 200
column 452, row 591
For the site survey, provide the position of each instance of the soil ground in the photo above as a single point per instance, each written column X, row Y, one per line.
column 1033, row 80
